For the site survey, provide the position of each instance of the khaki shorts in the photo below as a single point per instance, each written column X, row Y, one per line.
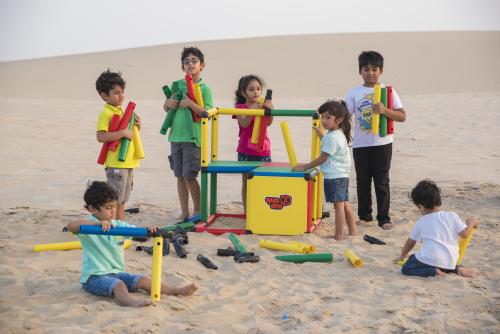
column 121, row 179
column 185, row 160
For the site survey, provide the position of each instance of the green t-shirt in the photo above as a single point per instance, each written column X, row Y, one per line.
column 102, row 254
column 183, row 129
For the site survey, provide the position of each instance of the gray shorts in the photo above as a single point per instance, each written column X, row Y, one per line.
column 122, row 180
column 185, row 160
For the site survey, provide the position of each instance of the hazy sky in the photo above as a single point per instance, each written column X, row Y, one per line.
column 44, row 28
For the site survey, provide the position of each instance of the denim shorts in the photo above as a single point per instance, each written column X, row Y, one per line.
column 336, row 190
column 103, row 285
column 413, row 267
column 122, row 180
column 185, row 160
column 249, row 157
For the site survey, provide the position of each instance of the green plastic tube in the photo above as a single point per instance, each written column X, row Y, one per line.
column 185, row 226
column 283, row 112
column 301, row 258
column 122, row 154
column 170, row 115
column 383, row 119
column 237, row 243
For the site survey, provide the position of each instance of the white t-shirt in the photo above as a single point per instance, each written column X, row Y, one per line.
column 338, row 163
column 359, row 103
column 438, row 233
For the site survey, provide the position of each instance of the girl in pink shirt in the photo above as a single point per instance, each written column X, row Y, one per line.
column 249, row 96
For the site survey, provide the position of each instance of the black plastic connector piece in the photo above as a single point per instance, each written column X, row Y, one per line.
column 206, row 262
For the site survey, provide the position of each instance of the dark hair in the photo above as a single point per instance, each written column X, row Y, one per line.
column 243, row 85
column 370, row 58
column 107, row 80
column 98, row 194
column 339, row 110
column 427, row 194
column 192, row 50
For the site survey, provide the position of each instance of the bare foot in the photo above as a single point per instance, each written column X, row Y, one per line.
column 183, row 291
column 439, row 272
column 339, row 237
column 466, row 272
column 141, row 302
column 387, row 226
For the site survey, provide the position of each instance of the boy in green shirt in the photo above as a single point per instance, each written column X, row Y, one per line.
column 103, row 267
column 185, row 134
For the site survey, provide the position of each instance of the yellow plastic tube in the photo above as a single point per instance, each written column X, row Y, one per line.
column 311, row 248
column 204, row 142
column 138, row 149
column 256, row 130
column 319, row 197
column 353, row 258
column 157, row 263
column 462, row 246
column 402, row 262
column 315, row 139
column 212, row 112
column 288, row 143
column 376, row 117
column 296, row 248
column 215, row 137
column 70, row 245
column 314, row 199
column 198, row 96
column 246, row 112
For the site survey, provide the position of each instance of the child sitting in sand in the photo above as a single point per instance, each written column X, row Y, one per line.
column 103, row 268
column 438, row 231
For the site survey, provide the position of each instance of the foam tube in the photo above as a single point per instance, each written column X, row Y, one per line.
column 301, row 258
column 376, row 117
column 353, row 258
column 237, row 111
column 296, row 248
column 383, row 118
column 204, row 142
column 156, row 268
column 127, row 115
column 65, row 246
column 190, row 89
column 311, row 247
column 113, row 126
column 136, row 140
column 256, row 129
column 288, row 143
column 125, row 142
column 118, row 230
column 198, row 96
column 237, row 243
column 462, row 246
column 390, row 122
column 171, row 113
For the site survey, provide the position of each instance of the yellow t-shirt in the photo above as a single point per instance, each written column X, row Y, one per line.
column 112, row 157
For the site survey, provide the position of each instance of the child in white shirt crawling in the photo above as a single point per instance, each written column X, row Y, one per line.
column 439, row 233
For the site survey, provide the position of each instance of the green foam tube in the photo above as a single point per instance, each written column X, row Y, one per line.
column 122, row 154
column 237, row 243
column 301, row 258
column 383, row 118
column 170, row 115
column 185, row 226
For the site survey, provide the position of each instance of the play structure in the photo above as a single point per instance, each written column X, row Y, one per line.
column 279, row 201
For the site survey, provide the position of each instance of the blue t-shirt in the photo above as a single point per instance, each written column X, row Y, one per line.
column 338, row 163
column 102, row 254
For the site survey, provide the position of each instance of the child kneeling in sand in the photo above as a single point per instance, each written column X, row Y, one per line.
column 103, row 267
column 438, row 231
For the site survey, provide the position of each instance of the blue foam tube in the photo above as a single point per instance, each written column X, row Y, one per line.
column 123, row 231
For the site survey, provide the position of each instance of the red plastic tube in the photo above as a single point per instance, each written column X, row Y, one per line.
column 190, row 88
column 264, row 122
column 390, row 122
column 127, row 115
column 113, row 125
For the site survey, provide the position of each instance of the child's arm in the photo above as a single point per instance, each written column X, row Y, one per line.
column 316, row 162
column 75, row 226
column 398, row 115
column 408, row 246
column 106, row 136
column 319, row 132
column 137, row 121
column 244, row 121
column 171, row 103
column 471, row 223
column 186, row 103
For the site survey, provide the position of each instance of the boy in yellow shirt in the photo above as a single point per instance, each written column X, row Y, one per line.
column 111, row 88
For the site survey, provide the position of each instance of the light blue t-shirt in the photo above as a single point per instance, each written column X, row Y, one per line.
column 338, row 163
column 102, row 254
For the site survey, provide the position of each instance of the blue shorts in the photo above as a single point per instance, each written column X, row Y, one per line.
column 103, row 285
column 413, row 267
column 336, row 190
column 249, row 157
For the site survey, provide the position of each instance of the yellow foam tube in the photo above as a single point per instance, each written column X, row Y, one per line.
column 296, row 248
column 288, row 143
column 319, row 197
column 65, row 246
column 204, row 142
column 402, row 262
column 157, row 262
column 215, row 137
column 462, row 246
column 198, row 96
column 246, row 112
column 256, row 130
column 138, row 149
column 311, row 248
column 353, row 258
column 376, row 117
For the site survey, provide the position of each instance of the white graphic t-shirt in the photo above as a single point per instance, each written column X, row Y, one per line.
column 359, row 103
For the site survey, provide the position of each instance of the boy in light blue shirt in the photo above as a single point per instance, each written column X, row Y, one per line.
column 103, row 267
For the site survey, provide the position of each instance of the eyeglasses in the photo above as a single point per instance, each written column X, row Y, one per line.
column 192, row 61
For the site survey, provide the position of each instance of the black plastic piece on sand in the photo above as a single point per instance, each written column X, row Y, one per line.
column 206, row 262
column 373, row 240
column 132, row 210
column 227, row 251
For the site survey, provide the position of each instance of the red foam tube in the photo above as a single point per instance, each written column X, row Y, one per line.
column 113, row 125
column 127, row 115
column 190, row 88
column 262, row 133
column 390, row 122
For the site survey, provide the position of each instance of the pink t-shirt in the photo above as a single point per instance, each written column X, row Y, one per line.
column 245, row 145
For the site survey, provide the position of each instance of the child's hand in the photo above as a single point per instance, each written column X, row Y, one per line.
column 379, row 108
column 318, row 130
column 137, row 121
column 299, row 168
column 106, row 225
column 399, row 258
column 185, row 102
column 153, row 229
column 472, row 221
column 171, row 103
column 126, row 133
